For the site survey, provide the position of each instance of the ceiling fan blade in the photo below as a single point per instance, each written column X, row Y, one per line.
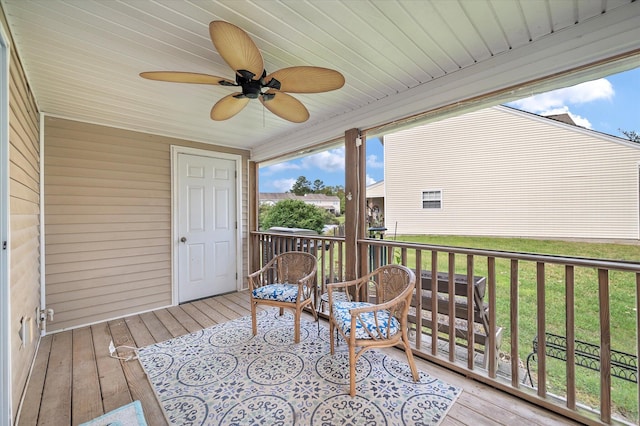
column 306, row 79
column 236, row 48
column 228, row 106
column 185, row 77
column 285, row 106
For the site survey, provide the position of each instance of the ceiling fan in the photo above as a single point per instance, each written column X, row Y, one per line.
column 242, row 55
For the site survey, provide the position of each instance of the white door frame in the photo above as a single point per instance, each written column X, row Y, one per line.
column 5, row 305
column 175, row 225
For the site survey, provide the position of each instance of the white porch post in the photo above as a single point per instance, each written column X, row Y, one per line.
column 5, row 301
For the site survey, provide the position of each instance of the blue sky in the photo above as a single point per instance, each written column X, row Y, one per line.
column 604, row 105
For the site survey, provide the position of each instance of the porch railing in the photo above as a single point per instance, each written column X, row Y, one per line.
column 524, row 297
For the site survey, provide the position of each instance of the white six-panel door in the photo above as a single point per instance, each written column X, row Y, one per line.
column 207, row 230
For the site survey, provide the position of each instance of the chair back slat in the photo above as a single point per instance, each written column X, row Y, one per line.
column 294, row 266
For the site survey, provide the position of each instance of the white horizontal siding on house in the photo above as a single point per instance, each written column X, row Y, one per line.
column 507, row 173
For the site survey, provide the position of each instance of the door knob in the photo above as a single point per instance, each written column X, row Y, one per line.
column 183, row 239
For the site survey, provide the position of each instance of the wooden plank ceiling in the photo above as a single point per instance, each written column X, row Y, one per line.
column 399, row 58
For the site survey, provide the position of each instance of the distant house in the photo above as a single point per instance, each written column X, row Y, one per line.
column 375, row 204
column 331, row 203
column 504, row 172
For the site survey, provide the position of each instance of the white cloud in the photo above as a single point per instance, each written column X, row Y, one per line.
column 369, row 180
column 582, row 93
column 372, row 161
column 329, row 161
column 282, row 185
column 280, row 167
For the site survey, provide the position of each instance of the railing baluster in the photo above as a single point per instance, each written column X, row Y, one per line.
column 418, row 302
column 542, row 346
column 605, row 346
column 513, row 319
column 452, row 308
column 341, row 270
column 323, row 275
column 569, row 277
column 638, row 341
column 434, row 303
column 471, row 347
column 491, row 272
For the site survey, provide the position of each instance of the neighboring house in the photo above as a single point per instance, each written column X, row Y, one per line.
column 375, row 204
column 504, row 172
column 331, row 203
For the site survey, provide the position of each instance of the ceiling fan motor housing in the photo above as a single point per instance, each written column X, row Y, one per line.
column 250, row 88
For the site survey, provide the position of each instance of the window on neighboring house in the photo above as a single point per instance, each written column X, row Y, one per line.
column 432, row 199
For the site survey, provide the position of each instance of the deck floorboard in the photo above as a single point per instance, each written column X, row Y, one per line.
column 86, row 396
column 35, row 387
column 75, row 378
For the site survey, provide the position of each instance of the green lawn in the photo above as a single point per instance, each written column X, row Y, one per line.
column 622, row 305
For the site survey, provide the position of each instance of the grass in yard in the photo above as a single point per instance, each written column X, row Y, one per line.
column 622, row 304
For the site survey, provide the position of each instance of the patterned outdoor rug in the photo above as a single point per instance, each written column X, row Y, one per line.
column 225, row 376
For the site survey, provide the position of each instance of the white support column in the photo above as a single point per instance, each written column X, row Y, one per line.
column 6, row 408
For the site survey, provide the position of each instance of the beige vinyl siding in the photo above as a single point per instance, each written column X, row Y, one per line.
column 508, row 173
column 244, row 173
column 376, row 190
column 24, row 210
column 108, row 221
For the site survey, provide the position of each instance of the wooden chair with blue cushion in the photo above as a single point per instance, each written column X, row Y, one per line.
column 286, row 281
column 373, row 325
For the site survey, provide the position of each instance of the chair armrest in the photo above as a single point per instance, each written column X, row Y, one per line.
column 309, row 283
column 404, row 297
column 395, row 308
column 258, row 278
column 345, row 285
column 334, row 286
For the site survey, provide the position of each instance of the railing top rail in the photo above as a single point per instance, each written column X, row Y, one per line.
column 610, row 264
column 621, row 265
column 292, row 235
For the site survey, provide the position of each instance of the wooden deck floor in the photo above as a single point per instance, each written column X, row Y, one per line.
column 74, row 378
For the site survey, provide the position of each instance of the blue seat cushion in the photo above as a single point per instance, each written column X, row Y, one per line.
column 365, row 321
column 278, row 292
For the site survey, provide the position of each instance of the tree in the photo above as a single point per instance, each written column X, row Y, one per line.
column 301, row 187
column 296, row 214
column 263, row 211
column 632, row 135
column 338, row 191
